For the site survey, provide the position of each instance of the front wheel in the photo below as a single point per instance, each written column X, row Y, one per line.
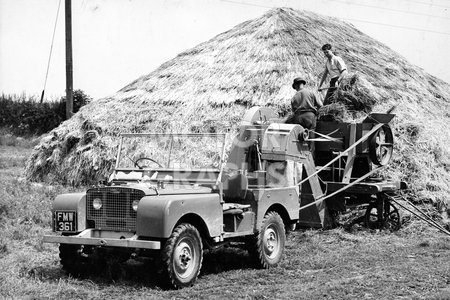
column 182, row 256
column 267, row 246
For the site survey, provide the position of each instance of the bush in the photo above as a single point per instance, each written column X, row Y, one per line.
column 22, row 115
column 80, row 99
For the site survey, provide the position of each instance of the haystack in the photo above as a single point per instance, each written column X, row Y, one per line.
column 209, row 87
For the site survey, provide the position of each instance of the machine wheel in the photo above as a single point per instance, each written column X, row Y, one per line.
column 267, row 246
column 182, row 256
column 382, row 215
column 381, row 146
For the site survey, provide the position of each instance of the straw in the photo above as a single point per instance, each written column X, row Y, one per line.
column 208, row 89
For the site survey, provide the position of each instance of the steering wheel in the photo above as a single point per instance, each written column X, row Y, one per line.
column 136, row 163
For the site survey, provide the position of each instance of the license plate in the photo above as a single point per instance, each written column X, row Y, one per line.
column 65, row 221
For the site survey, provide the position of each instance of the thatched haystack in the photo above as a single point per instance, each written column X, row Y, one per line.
column 209, row 87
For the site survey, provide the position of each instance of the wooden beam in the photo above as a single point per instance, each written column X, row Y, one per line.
column 351, row 155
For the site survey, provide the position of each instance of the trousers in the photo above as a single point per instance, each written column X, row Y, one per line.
column 330, row 91
column 305, row 119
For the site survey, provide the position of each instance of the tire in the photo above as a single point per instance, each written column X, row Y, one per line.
column 388, row 219
column 267, row 246
column 182, row 256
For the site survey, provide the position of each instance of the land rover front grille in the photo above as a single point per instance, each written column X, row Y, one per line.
column 116, row 212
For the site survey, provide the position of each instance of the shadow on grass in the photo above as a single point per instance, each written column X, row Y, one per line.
column 44, row 273
column 142, row 272
column 225, row 259
column 130, row 273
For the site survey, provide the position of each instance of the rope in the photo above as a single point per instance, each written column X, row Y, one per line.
column 362, row 139
column 326, row 137
column 424, row 217
column 51, row 49
column 341, row 189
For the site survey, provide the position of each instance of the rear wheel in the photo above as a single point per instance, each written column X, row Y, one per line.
column 382, row 215
column 182, row 256
column 267, row 246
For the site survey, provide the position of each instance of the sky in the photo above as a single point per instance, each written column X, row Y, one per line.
column 117, row 41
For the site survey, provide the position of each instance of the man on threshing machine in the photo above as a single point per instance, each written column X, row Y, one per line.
column 335, row 66
column 305, row 104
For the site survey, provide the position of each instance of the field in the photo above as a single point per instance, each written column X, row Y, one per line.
column 413, row 263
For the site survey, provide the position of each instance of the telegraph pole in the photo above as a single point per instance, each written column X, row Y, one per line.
column 69, row 63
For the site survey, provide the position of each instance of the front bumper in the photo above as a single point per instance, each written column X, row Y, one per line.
column 103, row 238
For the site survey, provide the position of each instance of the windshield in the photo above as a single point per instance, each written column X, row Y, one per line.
column 171, row 151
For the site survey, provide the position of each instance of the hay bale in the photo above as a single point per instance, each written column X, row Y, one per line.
column 335, row 111
column 352, row 100
column 254, row 64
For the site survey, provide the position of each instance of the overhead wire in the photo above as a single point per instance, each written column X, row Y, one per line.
column 429, row 4
column 249, row 4
column 51, row 50
column 391, row 9
column 351, row 19
column 397, row 26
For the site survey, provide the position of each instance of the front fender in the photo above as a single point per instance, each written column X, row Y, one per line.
column 158, row 215
column 72, row 202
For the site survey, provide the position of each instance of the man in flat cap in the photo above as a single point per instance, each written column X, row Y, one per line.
column 336, row 68
column 305, row 104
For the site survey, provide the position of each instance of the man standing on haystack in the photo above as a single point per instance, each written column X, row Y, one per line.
column 305, row 104
column 335, row 66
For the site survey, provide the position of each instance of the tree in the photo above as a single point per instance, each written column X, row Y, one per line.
column 80, row 99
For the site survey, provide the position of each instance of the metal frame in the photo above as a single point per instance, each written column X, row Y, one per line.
column 221, row 153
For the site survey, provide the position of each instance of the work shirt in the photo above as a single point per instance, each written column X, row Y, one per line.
column 335, row 66
column 305, row 101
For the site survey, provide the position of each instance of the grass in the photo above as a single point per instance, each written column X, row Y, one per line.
column 336, row 264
